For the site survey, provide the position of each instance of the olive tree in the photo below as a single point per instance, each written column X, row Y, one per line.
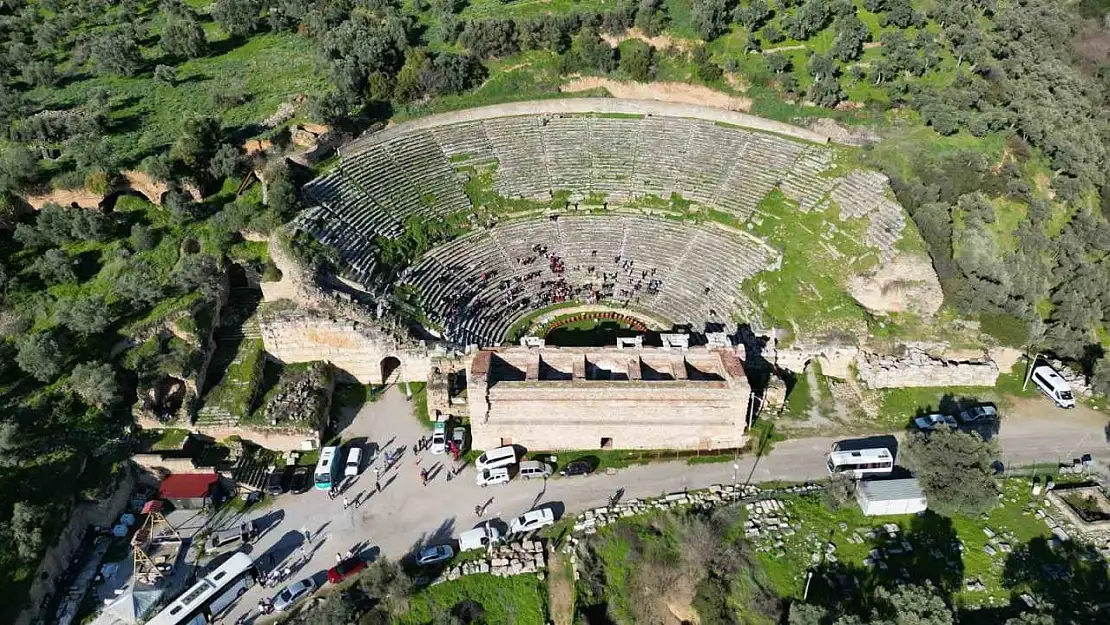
column 955, row 469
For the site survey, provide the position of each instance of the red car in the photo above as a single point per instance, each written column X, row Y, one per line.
column 345, row 569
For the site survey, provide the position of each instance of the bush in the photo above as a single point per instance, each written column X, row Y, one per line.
column 98, row 182
column 638, row 60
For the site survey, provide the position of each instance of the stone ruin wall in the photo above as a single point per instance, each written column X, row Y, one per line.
column 352, row 347
column 54, row 563
column 910, row 365
column 918, row 368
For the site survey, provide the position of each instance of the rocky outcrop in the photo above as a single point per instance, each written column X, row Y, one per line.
column 907, row 283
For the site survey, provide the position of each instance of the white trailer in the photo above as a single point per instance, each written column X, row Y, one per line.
column 883, row 497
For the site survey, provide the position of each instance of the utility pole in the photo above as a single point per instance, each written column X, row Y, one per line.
column 1029, row 369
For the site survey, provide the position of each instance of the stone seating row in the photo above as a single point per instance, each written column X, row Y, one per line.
column 462, row 284
column 355, row 251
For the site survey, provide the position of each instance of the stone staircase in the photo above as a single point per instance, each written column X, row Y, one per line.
column 237, row 324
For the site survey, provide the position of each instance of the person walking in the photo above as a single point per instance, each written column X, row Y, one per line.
column 338, row 557
column 346, row 503
column 377, row 484
column 478, row 510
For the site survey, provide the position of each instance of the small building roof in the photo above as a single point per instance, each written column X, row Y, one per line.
column 187, row 485
column 891, row 490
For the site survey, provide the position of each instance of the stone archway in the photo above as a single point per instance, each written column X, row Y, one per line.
column 390, row 366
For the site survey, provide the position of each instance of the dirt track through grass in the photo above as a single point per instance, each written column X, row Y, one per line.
column 560, row 590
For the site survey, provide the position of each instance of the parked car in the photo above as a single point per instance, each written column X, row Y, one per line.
column 479, row 537
column 932, row 421
column 293, row 593
column 435, row 555
column 274, row 485
column 354, row 462
column 244, row 532
column 345, row 569
column 296, row 478
column 578, row 467
column 534, row 468
column 491, row 477
column 439, row 438
column 532, row 520
column 458, row 436
column 978, row 413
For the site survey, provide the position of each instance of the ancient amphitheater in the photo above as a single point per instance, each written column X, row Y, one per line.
column 610, row 160
column 645, row 210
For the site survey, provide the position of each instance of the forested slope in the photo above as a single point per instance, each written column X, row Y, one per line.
column 994, row 115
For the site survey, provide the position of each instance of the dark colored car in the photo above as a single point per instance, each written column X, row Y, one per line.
column 296, row 478
column 345, row 569
column 275, row 483
column 578, row 467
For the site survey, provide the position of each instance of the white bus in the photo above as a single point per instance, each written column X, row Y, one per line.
column 327, row 468
column 213, row 594
column 860, row 462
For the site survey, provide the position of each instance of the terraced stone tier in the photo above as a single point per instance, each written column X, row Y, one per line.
column 477, row 286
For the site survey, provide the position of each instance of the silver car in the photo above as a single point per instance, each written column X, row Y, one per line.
column 293, row 593
column 435, row 555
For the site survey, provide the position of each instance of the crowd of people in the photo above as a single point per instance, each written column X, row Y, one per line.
column 623, row 285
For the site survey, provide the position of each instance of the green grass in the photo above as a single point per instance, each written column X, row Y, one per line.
column 517, row 600
column 168, row 439
column 272, row 68
column 419, row 401
column 237, row 391
column 785, row 566
column 808, row 291
column 901, row 405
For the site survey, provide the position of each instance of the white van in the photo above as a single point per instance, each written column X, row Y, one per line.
column 495, row 458
column 479, row 538
column 1053, row 385
column 354, row 461
column 491, row 477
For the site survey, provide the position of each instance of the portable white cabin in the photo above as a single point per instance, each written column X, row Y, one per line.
column 881, row 497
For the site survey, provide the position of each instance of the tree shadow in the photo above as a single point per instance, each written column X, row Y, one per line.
column 442, row 535
column 1068, row 579
column 927, row 551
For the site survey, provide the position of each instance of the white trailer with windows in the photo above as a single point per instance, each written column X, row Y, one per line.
column 1054, row 385
column 882, row 497
column 859, row 462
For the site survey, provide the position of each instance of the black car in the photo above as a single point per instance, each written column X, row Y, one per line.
column 578, row 467
column 275, row 483
column 295, row 479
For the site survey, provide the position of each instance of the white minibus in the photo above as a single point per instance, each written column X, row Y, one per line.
column 1054, row 385
column 860, row 462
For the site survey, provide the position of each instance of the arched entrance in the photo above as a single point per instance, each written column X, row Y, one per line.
column 390, row 365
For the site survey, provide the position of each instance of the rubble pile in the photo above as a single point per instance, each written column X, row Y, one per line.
column 303, row 400
column 515, row 558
